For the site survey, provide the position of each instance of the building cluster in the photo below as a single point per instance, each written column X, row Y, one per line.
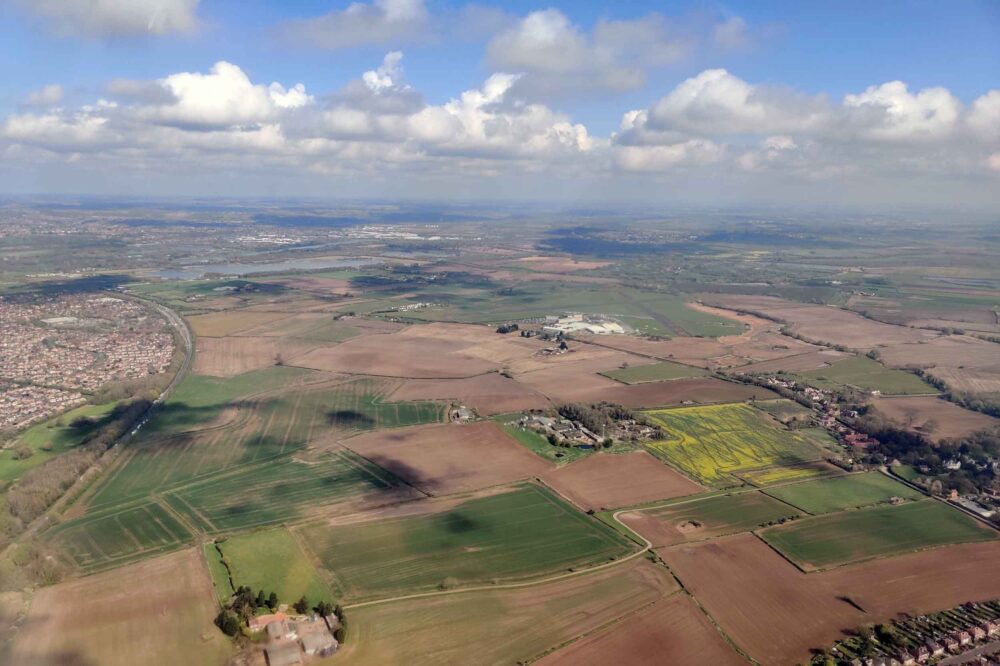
column 828, row 413
column 582, row 323
column 55, row 349
column 564, row 430
column 289, row 638
column 928, row 639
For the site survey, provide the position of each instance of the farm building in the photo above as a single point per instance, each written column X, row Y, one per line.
column 283, row 654
column 260, row 622
column 319, row 643
column 281, row 630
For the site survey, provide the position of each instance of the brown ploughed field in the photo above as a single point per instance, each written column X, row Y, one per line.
column 949, row 351
column 156, row 612
column 442, row 459
column 488, row 394
column 797, row 363
column 219, row 324
column 777, row 614
column 702, row 390
column 674, row 631
column 561, row 264
column 225, row 357
column 608, row 481
column 825, row 323
column 951, row 420
column 968, row 381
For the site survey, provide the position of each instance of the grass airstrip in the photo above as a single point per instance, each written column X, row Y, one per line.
column 655, row 372
column 843, row 492
column 869, row 375
column 712, row 442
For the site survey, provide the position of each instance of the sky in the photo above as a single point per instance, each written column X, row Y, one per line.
column 846, row 103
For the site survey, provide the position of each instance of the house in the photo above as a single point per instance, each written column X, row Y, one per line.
column 923, row 653
column 905, row 658
column 978, row 633
column 283, row 654
column 319, row 643
column 259, row 622
column 950, row 643
column 936, row 648
column 964, row 637
column 991, row 627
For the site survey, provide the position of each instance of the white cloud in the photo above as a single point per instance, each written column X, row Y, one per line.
column 712, row 130
column 360, row 24
column 558, row 56
column 49, row 95
column 115, row 18
column 731, row 34
column 891, row 112
column 223, row 97
column 717, row 103
column 983, row 119
column 387, row 75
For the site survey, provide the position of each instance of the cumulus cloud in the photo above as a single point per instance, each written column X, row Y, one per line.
column 49, row 95
column 559, row 56
column 360, row 23
column 713, row 126
column 223, row 97
column 114, row 18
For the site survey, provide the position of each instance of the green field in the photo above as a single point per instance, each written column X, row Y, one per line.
column 868, row 375
column 49, row 439
column 722, row 514
column 665, row 370
column 266, row 428
column 269, row 560
column 710, row 443
column 840, row 538
column 844, row 492
column 111, row 538
column 245, row 468
column 785, row 410
column 513, row 535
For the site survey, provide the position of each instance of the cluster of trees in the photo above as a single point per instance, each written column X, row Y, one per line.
column 507, row 328
column 40, row 487
column 911, row 448
column 244, row 604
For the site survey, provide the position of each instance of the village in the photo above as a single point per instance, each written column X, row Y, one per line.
column 969, row 634
column 54, row 351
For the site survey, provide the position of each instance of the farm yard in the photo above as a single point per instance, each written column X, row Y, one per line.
column 514, row 535
column 711, row 443
column 840, row 538
column 843, row 492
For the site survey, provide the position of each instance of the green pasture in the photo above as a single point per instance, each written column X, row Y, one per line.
column 843, row 492
column 665, row 370
column 863, row 373
column 513, row 535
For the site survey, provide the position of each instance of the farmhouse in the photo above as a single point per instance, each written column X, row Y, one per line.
column 318, row 643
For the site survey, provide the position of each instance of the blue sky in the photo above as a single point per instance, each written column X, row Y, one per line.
column 787, row 52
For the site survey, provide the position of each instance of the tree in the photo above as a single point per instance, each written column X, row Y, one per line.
column 228, row 622
column 272, row 601
column 339, row 635
column 261, row 599
column 279, row 359
column 302, row 605
column 324, row 608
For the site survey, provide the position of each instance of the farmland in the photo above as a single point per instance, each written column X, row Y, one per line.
column 934, row 417
column 835, row 539
column 864, row 373
column 107, row 618
column 783, row 474
column 710, row 443
column 613, row 480
column 697, row 519
column 843, row 492
column 494, row 627
column 664, row 370
column 512, row 535
column 270, row 560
